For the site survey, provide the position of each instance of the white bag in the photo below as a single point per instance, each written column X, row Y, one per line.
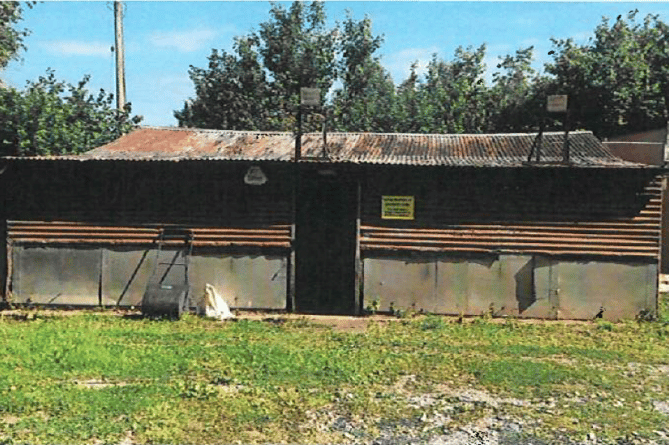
column 212, row 305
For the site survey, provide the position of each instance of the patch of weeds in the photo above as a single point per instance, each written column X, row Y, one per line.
column 432, row 322
column 511, row 375
column 604, row 325
column 406, row 313
column 195, row 390
column 646, row 315
column 663, row 308
column 373, row 307
column 223, row 376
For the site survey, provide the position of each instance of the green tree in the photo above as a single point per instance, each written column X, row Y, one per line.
column 298, row 51
column 231, row 93
column 516, row 99
column 11, row 38
column 617, row 82
column 366, row 99
column 51, row 117
column 258, row 86
column 451, row 98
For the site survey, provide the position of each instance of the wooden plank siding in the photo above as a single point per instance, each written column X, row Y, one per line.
column 127, row 203
column 540, row 211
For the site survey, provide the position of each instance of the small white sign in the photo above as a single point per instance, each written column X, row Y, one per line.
column 310, row 97
column 255, row 176
column 557, row 103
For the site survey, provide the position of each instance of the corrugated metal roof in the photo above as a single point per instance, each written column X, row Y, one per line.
column 474, row 150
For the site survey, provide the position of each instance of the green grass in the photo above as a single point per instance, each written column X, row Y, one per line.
column 100, row 378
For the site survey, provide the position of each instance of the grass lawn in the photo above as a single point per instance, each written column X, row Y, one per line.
column 102, row 378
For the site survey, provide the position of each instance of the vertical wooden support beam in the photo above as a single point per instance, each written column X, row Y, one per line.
column 4, row 261
column 4, row 251
column 359, row 281
column 664, row 229
column 290, row 304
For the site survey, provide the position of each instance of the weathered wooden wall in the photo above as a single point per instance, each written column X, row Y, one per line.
column 84, row 233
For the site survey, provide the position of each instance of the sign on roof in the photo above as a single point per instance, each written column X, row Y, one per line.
column 557, row 103
column 310, row 97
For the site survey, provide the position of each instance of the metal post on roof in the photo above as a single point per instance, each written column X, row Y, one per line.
column 559, row 104
column 565, row 143
column 540, row 136
column 298, row 136
column 309, row 97
column 325, row 133
column 538, row 140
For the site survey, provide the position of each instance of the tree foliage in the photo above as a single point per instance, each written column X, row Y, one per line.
column 617, row 82
column 11, row 37
column 231, row 92
column 51, row 117
column 365, row 101
column 257, row 87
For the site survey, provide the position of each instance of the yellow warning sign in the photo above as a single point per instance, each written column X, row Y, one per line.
column 397, row 207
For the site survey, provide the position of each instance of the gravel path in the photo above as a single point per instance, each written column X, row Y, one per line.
column 438, row 425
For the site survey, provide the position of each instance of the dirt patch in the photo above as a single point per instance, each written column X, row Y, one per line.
column 9, row 419
column 344, row 323
column 97, row 384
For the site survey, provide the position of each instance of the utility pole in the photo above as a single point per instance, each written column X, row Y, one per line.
column 120, row 59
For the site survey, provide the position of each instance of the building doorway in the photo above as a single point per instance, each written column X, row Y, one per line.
column 325, row 241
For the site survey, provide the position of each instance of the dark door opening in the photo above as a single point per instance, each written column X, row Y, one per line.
column 325, row 244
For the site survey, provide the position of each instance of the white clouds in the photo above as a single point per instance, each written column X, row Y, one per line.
column 183, row 41
column 78, row 48
column 399, row 63
column 582, row 37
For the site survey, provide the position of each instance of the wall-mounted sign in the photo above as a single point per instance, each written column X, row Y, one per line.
column 397, row 207
column 255, row 176
column 557, row 103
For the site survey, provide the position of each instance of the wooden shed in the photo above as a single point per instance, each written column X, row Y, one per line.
column 453, row 224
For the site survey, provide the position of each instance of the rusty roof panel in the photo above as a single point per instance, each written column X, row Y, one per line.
column 472, row 150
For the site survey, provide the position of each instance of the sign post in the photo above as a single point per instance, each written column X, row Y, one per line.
column 559, row 104
column 309, row 97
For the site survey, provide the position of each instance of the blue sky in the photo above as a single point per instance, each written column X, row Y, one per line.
column 163, row 39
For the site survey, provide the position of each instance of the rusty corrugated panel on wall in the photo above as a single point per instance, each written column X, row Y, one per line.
column 58, row 232
column 482, row 212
